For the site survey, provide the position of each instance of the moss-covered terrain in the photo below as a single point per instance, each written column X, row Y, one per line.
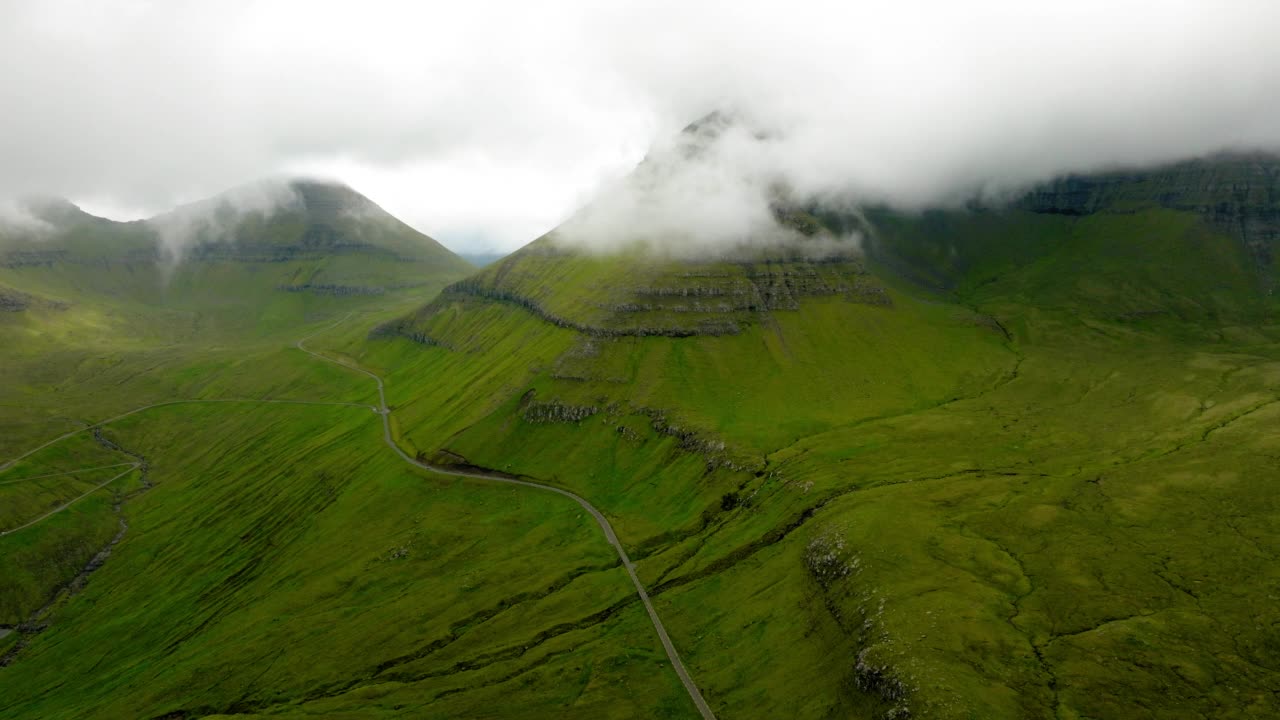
column 999, row 463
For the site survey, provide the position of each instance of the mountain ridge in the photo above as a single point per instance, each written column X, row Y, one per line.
column 304, row 237
column 1072, row 367
column 263, row 212
column 980, row 462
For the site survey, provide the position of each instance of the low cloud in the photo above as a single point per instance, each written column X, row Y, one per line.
column 19, row 218
column 920, row 105
column 696, row 191
column 488, row 123
column 215, row 220
column 716, row 188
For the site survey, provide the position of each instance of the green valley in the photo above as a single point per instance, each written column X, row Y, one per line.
column 1005, row 461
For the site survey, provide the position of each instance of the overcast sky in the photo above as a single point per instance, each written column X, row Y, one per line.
column 485, row 124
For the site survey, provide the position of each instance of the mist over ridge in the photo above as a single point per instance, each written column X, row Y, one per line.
column 912, row 104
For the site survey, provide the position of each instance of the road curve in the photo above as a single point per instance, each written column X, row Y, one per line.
column 385, row 412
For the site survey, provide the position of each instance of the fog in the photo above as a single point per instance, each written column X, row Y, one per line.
column 17, row 216
column 486, row 124
column 212, row 220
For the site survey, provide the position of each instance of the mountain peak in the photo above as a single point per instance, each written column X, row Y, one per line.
column 291, row 217
column 711, row 124
column 330, row 199
column 315, row 199
column 52, row 209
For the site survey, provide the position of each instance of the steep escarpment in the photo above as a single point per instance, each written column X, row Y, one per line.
column 1191, row 242
column 1237, row 194
column 638, row 295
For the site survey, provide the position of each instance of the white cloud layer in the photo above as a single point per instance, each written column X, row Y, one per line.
column 487, row 123
column 212, row 220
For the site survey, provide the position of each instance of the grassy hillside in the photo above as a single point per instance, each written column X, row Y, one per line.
column 99, row 321
column 100, row 310
column 953, row 499
column 299, row 568
column 1011, row 463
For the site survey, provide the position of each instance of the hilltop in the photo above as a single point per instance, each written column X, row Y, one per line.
column 306, row 236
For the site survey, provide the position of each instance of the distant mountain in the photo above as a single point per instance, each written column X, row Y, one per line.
column 1237, row 194
column 482, row 259
column 270, row 221
column 302, row 237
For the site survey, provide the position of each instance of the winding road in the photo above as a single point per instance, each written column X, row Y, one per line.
column 385, row 413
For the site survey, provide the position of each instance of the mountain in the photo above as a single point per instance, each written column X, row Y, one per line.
column 1196, row 238
column 997, row 461
column 944, row 471
column 248, row 266
column 301, row 218
column 98, row 318
column 308, row 237
column 481, row 259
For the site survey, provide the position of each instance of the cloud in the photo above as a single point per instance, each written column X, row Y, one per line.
column 713, row 188
column 695, row 190
column 214, row 220
column 488, row 123
column 18, row 218
column 919, row 104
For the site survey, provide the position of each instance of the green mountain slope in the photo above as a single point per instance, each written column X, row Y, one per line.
column 1194, row 241
column 947, row 456
column 1002, row 463
column 307, row 237
column 216, row 276
column 98, row 318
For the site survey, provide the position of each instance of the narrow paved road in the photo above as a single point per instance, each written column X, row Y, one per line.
column 385, row 412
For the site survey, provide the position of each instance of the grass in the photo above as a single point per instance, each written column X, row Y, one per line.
column 110, row 331
column 964, row 470
column 329, row 545
column 1039, row 485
